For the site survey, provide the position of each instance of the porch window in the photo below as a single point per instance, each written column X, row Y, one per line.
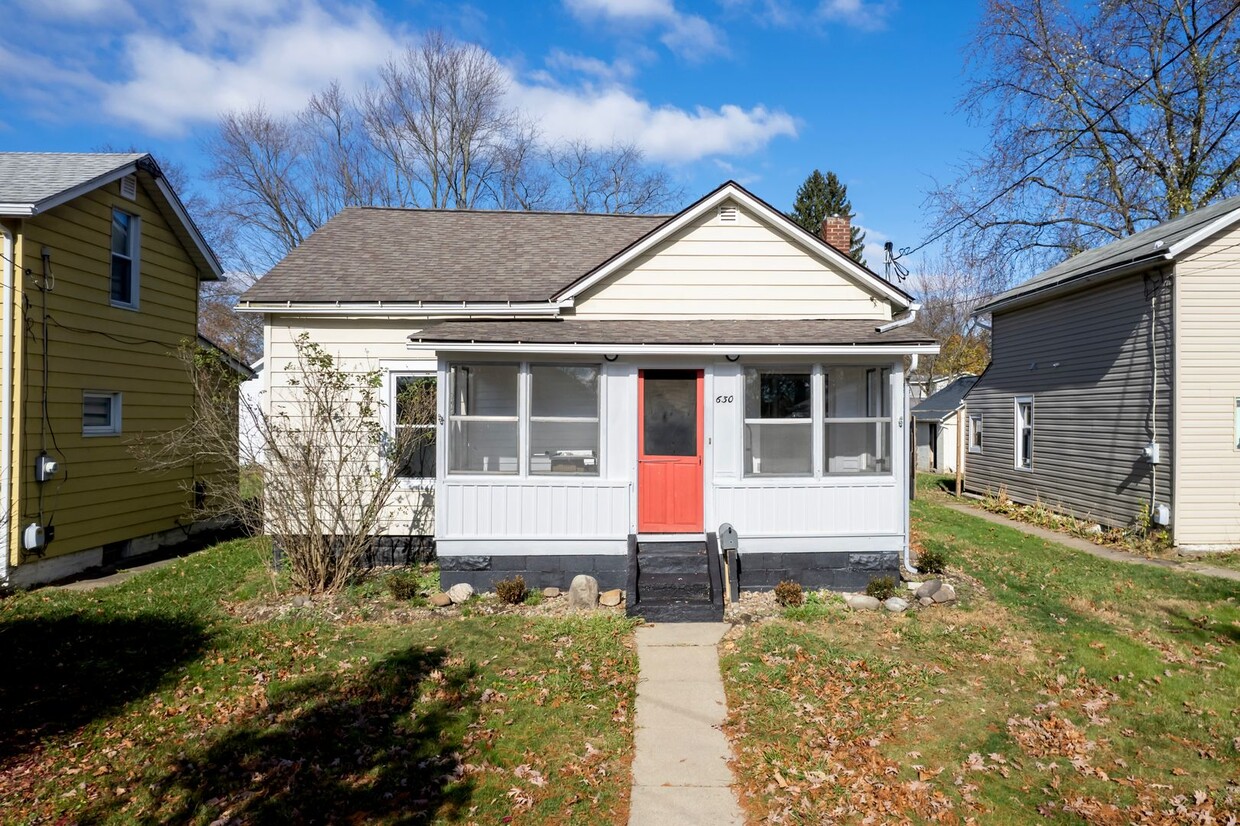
column 1024, row 432
column 857, row 420
column 975, row 433
column 779, row 435
column 483, row 431
column 414, row 424
column 564, row 419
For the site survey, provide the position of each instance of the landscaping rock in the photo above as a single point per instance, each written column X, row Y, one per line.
column 583, row 593
column 861, row 602
column 551, row 593
column 300, row 601
column 913, row 586
column 944, row 595
column 928, row 589
column 611, row 598
column 440, row 600
column 896, row 605
column 925, row 601
column 460, row 592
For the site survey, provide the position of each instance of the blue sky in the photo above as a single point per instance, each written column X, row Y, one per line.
column 761, row 91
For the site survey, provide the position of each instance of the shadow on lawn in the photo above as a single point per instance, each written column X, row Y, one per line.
column 342, row 749
column 61, row 673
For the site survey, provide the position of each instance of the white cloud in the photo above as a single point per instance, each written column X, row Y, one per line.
column 619, row 70
column 664, row 133
column 79, row 10
column 868, row 15
column 688, row 35
column 173, row 85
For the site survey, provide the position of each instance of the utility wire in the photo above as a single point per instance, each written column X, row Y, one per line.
column 1080, row 133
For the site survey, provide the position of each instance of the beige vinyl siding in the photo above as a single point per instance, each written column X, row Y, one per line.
column 743, row 269
column 1208, row 463
column 358, row 345
column 100, row 496
column 1086, row 360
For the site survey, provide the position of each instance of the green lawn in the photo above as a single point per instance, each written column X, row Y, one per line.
column 1061, row 688
column 155, row 701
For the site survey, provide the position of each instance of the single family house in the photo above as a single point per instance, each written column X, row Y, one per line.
column 942, row 439
column 100, row 266
column 1113, row 391
column 614, row 388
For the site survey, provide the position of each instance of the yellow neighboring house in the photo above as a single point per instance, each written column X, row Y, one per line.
column 100, row 267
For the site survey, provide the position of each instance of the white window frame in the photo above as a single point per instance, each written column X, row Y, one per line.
column 528, row 369
column 883, row 383
column 804, row 421
column 394, row 377
column 1019, row 459
column 1235, row 441
column 134, row 258
column 113, row 428
column 976, row 434
column 522, row 394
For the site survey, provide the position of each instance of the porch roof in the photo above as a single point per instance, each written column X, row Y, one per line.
column 680, row 332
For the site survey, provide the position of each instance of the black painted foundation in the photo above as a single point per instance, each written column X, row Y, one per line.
column 834, row 570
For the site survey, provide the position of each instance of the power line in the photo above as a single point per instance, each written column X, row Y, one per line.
column 1080, row 133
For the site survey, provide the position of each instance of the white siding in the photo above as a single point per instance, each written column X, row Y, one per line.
column 1207, row 469
column 730, row 270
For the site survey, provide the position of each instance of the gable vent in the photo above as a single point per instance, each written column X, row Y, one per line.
column 129, row 187
column 728, row 214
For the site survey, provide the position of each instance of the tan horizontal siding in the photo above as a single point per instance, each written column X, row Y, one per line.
column 740, row 270
column 1208, row 467
column 101, row 495
column 1086, row 360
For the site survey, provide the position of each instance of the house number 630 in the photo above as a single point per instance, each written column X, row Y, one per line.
column 723, row 399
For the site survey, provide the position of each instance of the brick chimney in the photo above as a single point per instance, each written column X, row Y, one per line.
column 837, row 231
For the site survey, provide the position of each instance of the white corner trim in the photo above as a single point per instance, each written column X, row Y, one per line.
column 780, row 223
column 1217, row 225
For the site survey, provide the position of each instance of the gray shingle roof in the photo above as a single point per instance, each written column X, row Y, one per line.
column 1137, row 247
column 33, row 177
column 660, row 331
column 377, row 254
column 938, row 406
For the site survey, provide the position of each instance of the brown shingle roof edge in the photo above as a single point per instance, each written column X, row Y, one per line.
column 670, row 331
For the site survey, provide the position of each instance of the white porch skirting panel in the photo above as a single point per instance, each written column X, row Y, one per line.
column 532, row 509
column 802, row 507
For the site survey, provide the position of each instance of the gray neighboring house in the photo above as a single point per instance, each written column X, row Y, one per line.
column 937, row 431
column 1114, row 383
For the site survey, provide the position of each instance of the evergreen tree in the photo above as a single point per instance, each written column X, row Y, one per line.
column 821, row 196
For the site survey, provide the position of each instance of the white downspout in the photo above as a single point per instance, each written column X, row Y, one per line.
column 8, row 291
column 910, row 438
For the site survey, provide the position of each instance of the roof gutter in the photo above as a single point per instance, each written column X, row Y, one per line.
column 1044, row 291
column 565, row 348
column 416, row 309
column 909, row 318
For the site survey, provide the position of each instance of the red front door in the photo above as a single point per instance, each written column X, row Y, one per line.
column 669, row 451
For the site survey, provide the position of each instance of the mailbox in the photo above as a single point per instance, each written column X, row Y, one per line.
column 727, row 537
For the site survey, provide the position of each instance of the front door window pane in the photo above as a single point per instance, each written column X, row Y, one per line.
column 670, row 414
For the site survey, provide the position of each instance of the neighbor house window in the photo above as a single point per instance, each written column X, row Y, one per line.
column 857, row 421
column 1024, row 432
column 414, row 424
column 564, row 419
column 101, row 414
column 975, row 433
column 483, row 432
column 779, row 435
column 124, row 259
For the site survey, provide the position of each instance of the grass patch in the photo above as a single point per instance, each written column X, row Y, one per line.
column 156, row 701
column 1061, row 687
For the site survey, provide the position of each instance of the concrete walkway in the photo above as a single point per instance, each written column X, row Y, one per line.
column 680, row 772
column 1094, row 549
